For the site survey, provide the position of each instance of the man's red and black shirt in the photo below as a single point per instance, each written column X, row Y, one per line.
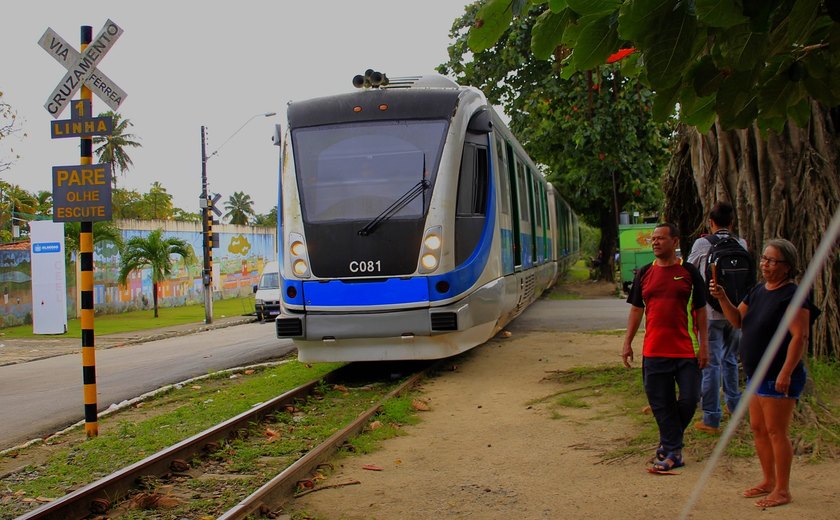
column 670, row 296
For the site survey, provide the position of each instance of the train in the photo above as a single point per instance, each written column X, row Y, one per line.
column 411, row 222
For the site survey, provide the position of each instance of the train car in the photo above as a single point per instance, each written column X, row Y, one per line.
column 412, row 223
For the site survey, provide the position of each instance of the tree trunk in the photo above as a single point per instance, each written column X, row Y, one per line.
column 782, row 185
column 609, row 241
column 155, row 298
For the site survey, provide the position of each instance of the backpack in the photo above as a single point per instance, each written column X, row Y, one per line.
column 734, row 266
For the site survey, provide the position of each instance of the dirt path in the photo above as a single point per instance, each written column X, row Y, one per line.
column 482, row 452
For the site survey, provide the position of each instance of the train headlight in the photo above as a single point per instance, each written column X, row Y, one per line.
column 298, row 255
column 300, row 267
column 431, row 250
column 297, row 248
column 432, row 242
column 429, row 261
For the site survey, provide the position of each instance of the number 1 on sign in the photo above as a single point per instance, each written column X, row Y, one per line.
column 81, row 109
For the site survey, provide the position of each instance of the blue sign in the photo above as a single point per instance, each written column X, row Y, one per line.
column 46, row 247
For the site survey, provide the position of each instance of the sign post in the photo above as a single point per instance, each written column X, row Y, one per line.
column 82, row 193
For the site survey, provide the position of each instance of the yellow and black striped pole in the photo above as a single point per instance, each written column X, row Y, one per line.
column 86, row 287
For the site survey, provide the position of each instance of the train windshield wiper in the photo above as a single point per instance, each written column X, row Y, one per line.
column 394, row 208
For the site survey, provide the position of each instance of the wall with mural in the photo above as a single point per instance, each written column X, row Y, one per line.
column 237, row 263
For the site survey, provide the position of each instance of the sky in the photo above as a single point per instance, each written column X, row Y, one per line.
column 187, row 64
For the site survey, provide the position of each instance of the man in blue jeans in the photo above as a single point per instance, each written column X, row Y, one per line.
column 723, row 338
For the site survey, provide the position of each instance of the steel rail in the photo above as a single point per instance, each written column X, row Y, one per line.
column 279, row 489
column 99, row 496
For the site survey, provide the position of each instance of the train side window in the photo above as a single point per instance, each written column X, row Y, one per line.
column 472, row 183
column 471, row 206
column 504, row 181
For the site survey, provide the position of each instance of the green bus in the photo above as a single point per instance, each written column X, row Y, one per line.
column 634, row 250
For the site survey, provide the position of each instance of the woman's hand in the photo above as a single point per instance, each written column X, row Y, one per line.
column 783, row 383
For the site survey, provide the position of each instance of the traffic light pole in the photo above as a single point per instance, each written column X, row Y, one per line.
column 206, row 230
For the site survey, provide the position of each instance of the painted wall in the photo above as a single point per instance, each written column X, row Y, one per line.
column 242, row 252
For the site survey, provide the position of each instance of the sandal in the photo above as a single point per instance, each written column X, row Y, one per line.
column 661, row 453
column 671, row 461
column 756, row 491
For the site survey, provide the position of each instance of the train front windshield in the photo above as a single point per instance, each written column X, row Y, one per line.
column 354, row 172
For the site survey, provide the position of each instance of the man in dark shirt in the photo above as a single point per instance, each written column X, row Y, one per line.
column 670, row 294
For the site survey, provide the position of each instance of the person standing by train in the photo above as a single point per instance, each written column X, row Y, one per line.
column 671, row 295
column 771, row 408
column 723, row 338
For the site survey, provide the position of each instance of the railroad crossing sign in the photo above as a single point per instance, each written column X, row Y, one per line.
column 81, row 69
column 80, row 123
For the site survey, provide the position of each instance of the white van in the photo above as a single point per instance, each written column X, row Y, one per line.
column 267, row 292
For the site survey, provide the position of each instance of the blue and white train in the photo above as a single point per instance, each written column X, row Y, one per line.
column 412, row 224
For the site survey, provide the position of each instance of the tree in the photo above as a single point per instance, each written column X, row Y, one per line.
column 9, row 125
column 157, row 204
column 269, row 219
column 15, row 200
column 758, row 88
column 155, row 252
column 593, row 131
column 239, row 208
column 112, row 149
column 103, row 231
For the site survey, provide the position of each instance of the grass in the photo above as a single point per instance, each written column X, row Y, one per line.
column 611, row 390
column 161, row 422
column 144, row 320
column 579, row 272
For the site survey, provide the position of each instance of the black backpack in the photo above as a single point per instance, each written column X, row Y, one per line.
column 735, row 268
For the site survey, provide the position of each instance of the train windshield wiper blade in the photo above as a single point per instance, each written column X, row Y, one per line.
column 392, row 210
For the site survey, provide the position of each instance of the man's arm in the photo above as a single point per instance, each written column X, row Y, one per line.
column 633, row 323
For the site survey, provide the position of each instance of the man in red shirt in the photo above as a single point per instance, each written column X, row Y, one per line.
column 671, row 296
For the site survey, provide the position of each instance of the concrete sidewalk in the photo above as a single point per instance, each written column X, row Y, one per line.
column 16, row 350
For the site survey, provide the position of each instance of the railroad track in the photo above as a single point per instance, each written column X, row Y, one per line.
column 107, row 495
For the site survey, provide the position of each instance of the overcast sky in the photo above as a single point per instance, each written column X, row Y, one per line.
column 185, row 64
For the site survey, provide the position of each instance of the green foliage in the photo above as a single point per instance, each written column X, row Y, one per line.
column 240, row 208
column 155, row 252
column 584, row 129
column 741, row 61
column 113, row 149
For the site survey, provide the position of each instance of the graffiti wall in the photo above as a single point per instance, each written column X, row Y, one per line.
column 237, row 261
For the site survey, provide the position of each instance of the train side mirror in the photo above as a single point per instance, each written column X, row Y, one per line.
column 480, row 122
column 277, row 138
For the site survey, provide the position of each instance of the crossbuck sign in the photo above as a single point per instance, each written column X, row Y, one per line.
column 81, row 69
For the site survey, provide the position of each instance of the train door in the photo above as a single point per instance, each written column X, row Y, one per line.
column 506, row 222
column 526, row 234
column 533, row 210
column 512, row 163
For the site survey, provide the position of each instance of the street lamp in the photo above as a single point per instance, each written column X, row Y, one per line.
column 206, row 206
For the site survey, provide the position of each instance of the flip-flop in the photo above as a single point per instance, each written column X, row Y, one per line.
column 771, row 502
column 756, row 491
column 661, row 472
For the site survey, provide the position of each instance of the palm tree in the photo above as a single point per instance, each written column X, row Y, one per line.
column 239, row 208
column 103, row 231
column 112, row 148
column 155, row 252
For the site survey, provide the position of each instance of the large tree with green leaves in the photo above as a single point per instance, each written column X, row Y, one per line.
column 155, row 252
column 756, row 84
column 593, row 131
column 240, row 208
column 113, row 148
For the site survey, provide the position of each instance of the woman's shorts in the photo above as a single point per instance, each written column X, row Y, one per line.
column 767, row 388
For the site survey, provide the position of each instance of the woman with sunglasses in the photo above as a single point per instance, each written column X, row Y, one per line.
column 771, row 408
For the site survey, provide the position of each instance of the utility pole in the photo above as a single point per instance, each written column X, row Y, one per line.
column 206, row 229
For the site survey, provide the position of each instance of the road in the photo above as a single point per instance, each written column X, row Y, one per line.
column 41, row 397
